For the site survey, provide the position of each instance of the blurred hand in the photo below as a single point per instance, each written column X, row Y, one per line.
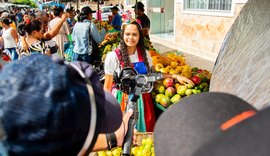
column 24, row 44
column 122, row 130
column 182, row 80
column 64, row 16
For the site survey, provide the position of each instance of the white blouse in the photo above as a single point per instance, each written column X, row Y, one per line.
column 112, row 63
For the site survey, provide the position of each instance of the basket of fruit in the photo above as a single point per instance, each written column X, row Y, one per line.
column 168, row 91
column 144, row 146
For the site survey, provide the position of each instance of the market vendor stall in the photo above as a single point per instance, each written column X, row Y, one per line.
column 166, row 92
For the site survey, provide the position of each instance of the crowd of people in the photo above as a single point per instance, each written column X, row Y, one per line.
column 36, row 37
column 20, row 31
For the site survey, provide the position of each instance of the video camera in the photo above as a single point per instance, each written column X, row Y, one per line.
column 128, row 80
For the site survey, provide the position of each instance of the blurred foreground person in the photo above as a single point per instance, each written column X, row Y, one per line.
column 52, row 109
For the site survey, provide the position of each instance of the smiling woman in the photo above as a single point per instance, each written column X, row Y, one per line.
column 133, row 54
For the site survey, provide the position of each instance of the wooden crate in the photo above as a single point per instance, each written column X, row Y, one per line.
column 142, row 135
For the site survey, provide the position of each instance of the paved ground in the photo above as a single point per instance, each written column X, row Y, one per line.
column 191, row 60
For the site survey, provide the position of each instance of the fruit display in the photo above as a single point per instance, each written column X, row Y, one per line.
column 110, row 42
column 168, row 91
column 146, row 148
column 106, row 25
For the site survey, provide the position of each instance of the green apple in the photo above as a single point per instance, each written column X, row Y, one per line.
column 195, row 69
column 202, row 77
column 170, row 91
column 189, row 86
column 102, row 153
column 139, row 153
column 146, row 152
column 109, row 153
column 199, row 91
column 144, row 141
column 194, row 91
column 158, row 97
column 200, row 86
column 161, row 90
column 165, row 101
column 156, row 86
column 116, row 152
column 181, row 90
column 206, row 89
column 152, row 150
column 188, row 92
column 176, row 98
column 149, row 141
column 148, row 146
column 205, row 85
column 134, row 150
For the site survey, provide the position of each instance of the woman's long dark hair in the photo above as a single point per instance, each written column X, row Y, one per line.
column 29, row 27
column 57, row 10
column 84, row 13
column 124, row 56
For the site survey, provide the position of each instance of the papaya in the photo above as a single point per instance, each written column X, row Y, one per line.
column 153, row 53
column 160, row 59
column 186, row 71
column 179, row 59
column 170, row 55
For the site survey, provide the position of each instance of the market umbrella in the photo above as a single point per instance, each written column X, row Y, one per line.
column 242, row 67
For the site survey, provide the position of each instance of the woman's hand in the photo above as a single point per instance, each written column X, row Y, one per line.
column 64, row 16
column 24, row 44
column 182, row 79
column 122, row 130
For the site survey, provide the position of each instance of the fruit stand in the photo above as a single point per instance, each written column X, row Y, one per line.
column 166, row 92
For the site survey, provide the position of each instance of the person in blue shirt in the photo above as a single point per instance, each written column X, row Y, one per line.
column 117, row 19
column 86, row 37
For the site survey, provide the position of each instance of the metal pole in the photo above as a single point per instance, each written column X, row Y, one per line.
column 98, row 11
column 77, row 4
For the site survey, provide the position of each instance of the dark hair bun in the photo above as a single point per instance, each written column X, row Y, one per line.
column 21, row 29
column 6, row 21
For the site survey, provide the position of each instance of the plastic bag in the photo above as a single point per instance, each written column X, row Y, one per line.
column 70, row 56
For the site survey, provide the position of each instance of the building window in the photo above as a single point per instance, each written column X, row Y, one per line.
column 208, row 5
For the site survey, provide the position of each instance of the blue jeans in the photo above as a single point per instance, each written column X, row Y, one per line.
column 12, row 53
column 84, row 57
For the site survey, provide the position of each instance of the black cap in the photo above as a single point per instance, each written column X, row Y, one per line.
column 115, row 8
column 87, row 10
column 193, row 121
column 138, row 5
column 45, row 106
column 250, row 137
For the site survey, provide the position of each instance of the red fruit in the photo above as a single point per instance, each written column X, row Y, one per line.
column 170, row 91
column 168, row 82
column 200, row 71
column 196, row 80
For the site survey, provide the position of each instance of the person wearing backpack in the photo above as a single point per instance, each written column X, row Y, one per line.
column 86, row 37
